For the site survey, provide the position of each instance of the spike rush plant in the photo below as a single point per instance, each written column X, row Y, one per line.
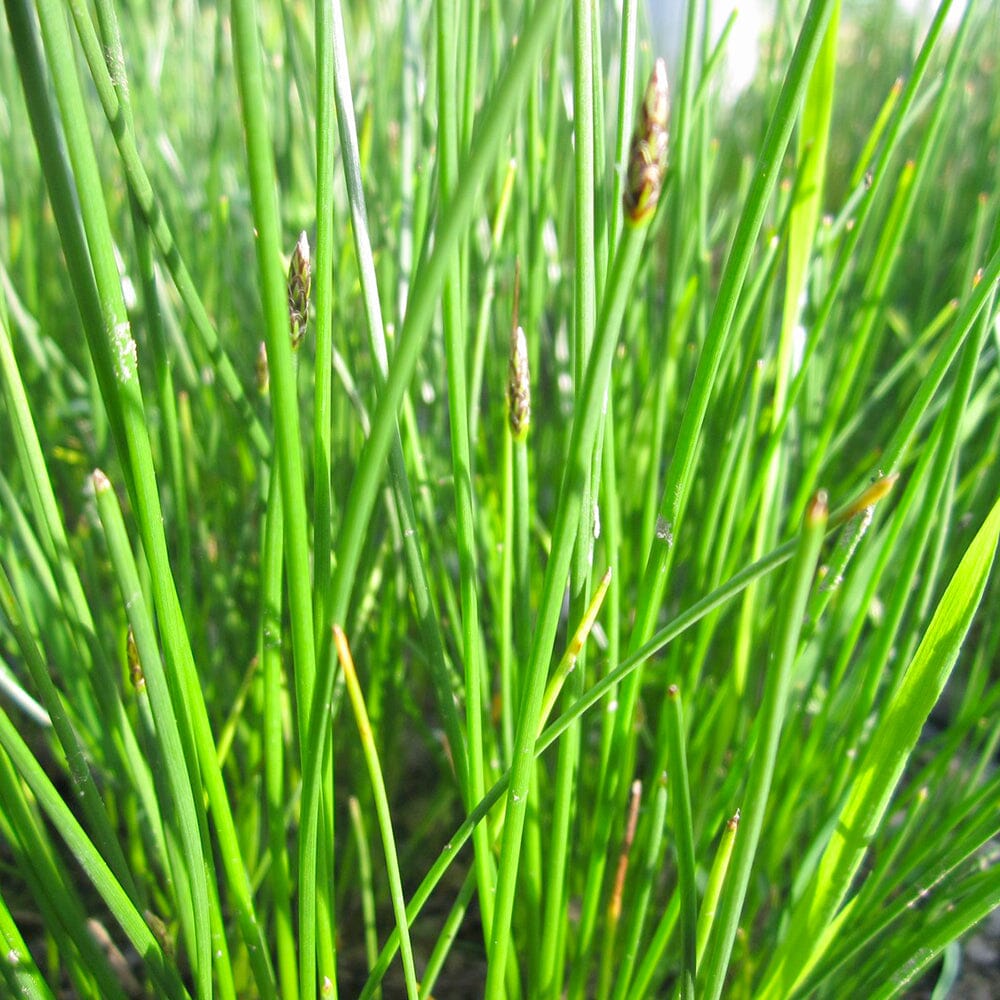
column 598, row 602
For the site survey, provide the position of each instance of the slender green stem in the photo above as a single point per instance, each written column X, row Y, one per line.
column 365, row 877
column 46, row 514
column 891, row 246
column 20, row 973
column 427, row 613
column 260, row 156
column 461, row 457
column 87, row 967
column 885, row 759
column 114, row 353
column 770, row 719
column 581, row 445
column 325, row 20
column 643, row 977
column 494, row 120
column 269, row 653
column 119, row 903
column 566, row 778
column 716, row 882
column 449, row 932
column 381, row 807
column 142, row 190
column 190, row 819
column 716, row 599
column 684, row 832
column 640, row 894
column 688, row 444
column 693, row 375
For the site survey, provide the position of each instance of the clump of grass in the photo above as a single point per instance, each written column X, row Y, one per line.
column 595, row 603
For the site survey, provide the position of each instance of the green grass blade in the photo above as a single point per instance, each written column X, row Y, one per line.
column 493, row 125
column 20, row 973
column 381, row 808
column 119, row 904
column 812, row 923
column 770, row 719
column 684, row 832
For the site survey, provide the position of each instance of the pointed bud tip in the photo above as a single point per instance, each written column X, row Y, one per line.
column 302, row 245
column 819, row 508
column 658, row 94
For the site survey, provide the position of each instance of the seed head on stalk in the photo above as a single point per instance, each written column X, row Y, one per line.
column 518, row 374
column 299, row 280
column 518, row 386
column 647, row 160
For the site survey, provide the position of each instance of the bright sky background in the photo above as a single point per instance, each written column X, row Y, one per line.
column 667, row 20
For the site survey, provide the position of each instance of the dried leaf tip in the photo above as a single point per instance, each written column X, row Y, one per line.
column 874, row 493
column 518, row 386
column 647, row 160
column 299, row 282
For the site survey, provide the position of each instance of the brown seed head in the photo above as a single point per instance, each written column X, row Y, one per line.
column 518, row 386
column 647, row 162
column 299, row 281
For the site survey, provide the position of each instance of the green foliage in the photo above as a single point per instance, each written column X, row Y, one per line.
column 334, row 678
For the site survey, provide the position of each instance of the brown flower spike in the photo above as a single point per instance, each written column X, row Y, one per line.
column 299, row 280
column 518, row 375
column 647, row 161
column 518, row 386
